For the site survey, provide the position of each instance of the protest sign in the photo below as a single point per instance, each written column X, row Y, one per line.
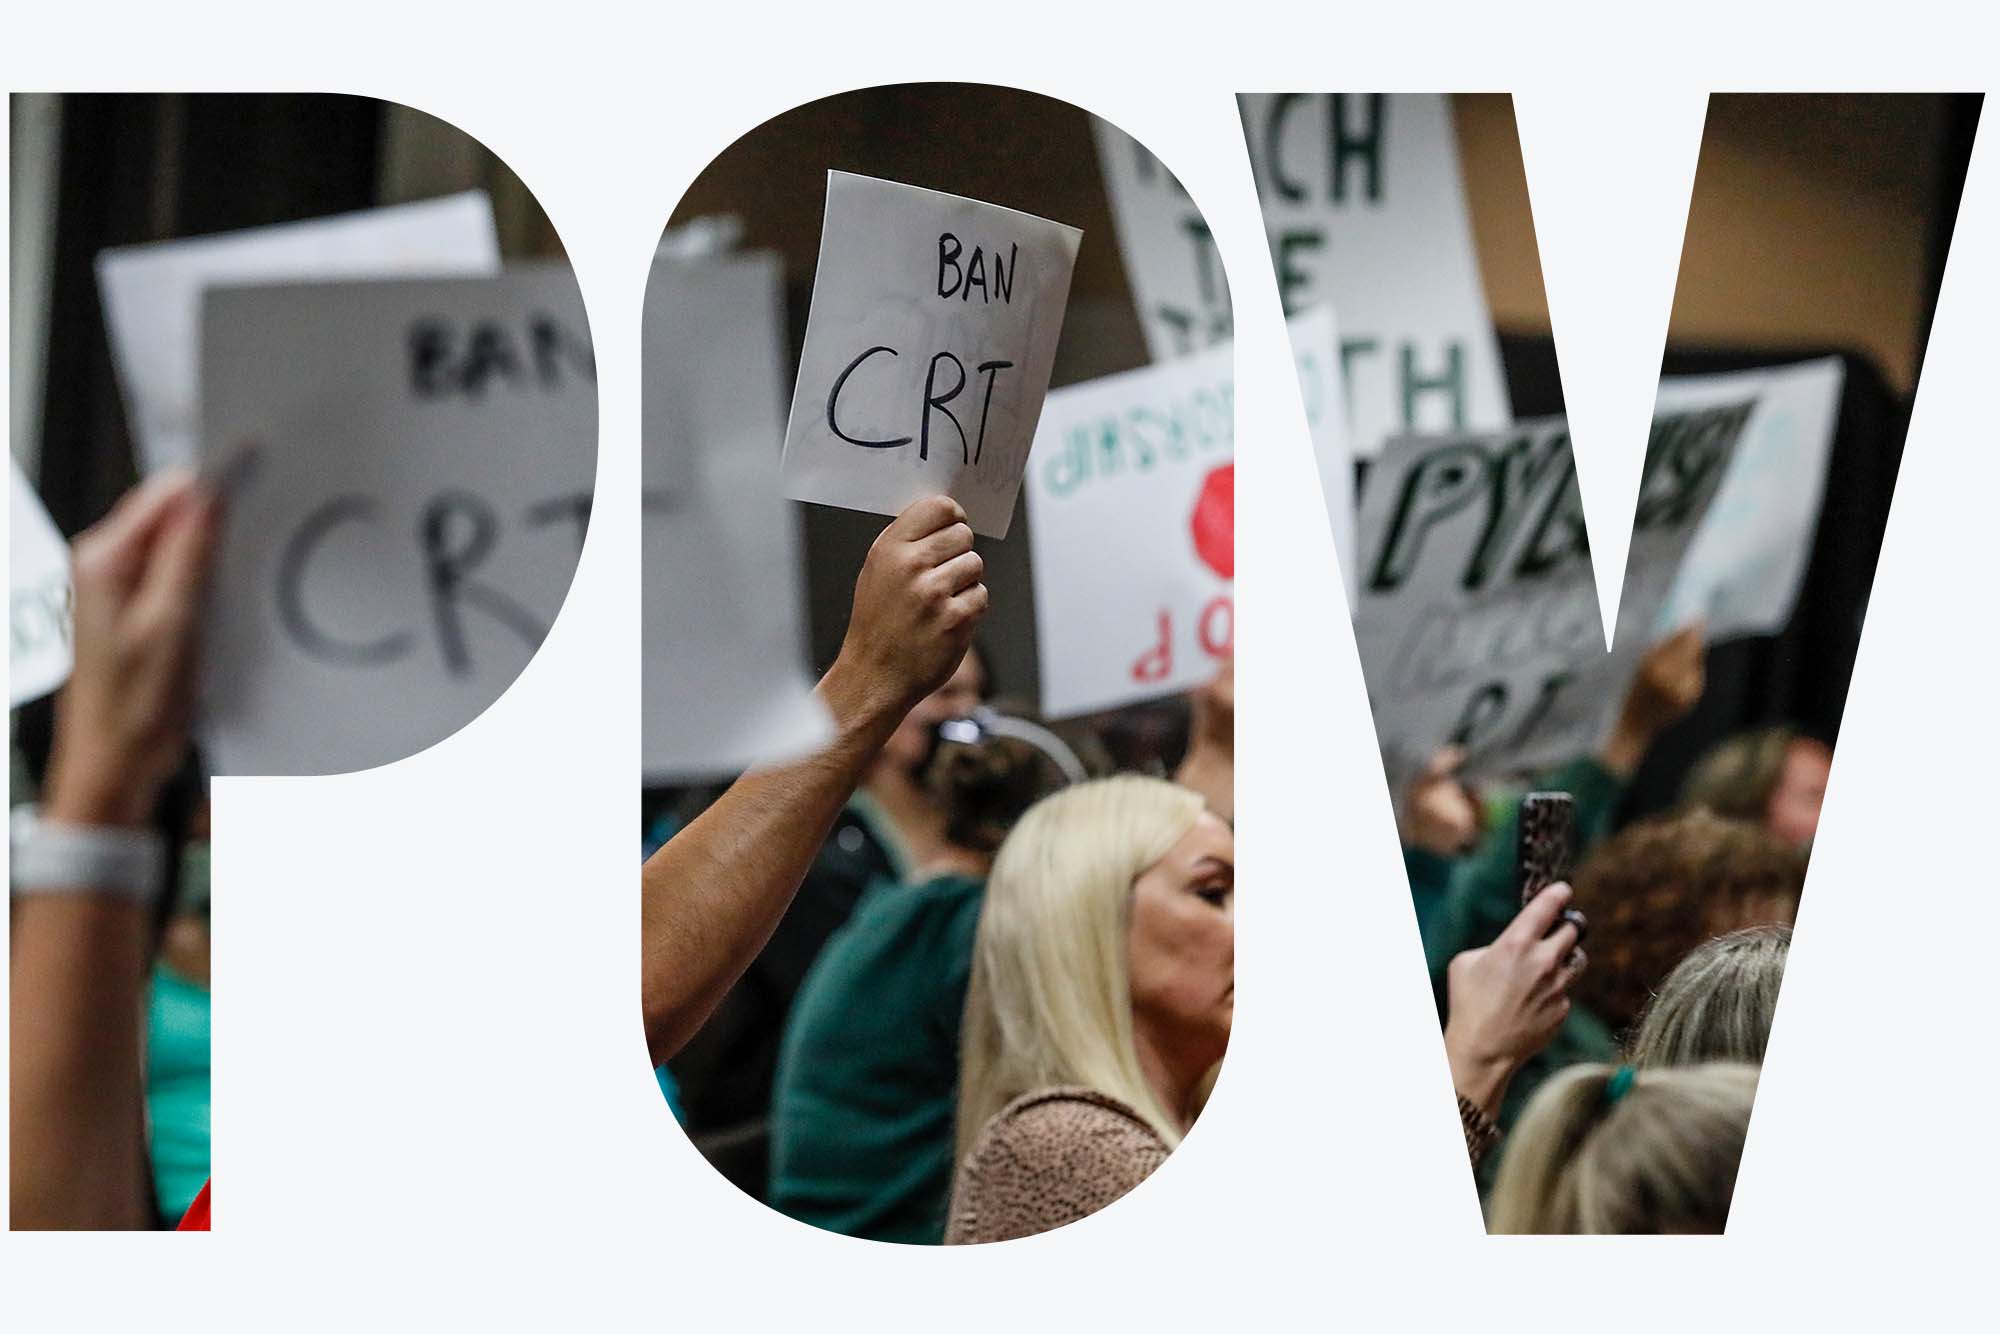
column 152, row 294
column 1365, row 210
column 38, row 622
column 1743, row 570
column 1170, row 257
column 1315, row 338
column 933, row 329
column 1131, row 493
column 403, row 533
column 723, row 633
column 1478, row 622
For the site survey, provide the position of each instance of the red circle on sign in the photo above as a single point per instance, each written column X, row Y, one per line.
column 1214, row 521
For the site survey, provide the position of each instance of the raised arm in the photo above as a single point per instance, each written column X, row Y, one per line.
column 82, row 943
column 714, row 893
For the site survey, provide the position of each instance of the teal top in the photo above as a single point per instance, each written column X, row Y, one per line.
column 863, row 1117
column 177, row 1065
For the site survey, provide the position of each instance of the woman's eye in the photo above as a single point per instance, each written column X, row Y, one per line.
column 1215, row 894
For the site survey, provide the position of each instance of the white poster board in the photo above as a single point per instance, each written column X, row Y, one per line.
column 38, row 619
column 1365, row 210
column 1315, row 338
column 405, row 532
column 723, row 633
column 933, row 330
column 1132, row 490
column 1746, row 564
column 1170, row 258
column 152, row 294
column 1478, row 622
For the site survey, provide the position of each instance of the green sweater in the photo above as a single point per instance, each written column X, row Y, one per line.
column 1466, row 904
column 863, row 1113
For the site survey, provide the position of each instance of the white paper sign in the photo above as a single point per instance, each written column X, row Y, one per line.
column 724, row 636
column 933, row 330
column 1365, row 210
column 1315, row 341
column 1742, row 573
column 405, row 532
column 152, row 294
column 1170, row 257
column 1478, row 622
column 1132, row 491
column 37, row 594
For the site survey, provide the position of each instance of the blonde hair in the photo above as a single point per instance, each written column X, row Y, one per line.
column 1660, row 1158
column 1717, row 1004
column 1050, row 999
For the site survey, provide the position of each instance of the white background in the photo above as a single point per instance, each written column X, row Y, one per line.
column 432, row 1104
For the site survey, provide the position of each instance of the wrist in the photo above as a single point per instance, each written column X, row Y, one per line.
column 1480, row 1080
column 865, row 710
column 83, row 793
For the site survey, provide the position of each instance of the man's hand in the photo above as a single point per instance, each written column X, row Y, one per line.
column 1440, row 814
column 916, row 603
column 1506, row 1001
column 1666, row 687
column 122, row 717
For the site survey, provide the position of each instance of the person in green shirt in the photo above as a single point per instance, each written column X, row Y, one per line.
column 865, row 1092
column 1466, row 903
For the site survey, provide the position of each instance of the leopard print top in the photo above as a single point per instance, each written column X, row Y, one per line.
column 1049, row 1158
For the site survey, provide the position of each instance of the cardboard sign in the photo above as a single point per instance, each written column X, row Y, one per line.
column 1478, row 622
column 1743, row 571
column 933, row 330
column 1365, row 211
column 724, row 608
column 1132, row 487
column 405, row 531
column 1170, row 257
column 38, row 608
column 152, row 294
column 1315, row 339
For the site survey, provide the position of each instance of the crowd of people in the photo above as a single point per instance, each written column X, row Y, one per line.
column 949, row 979
column 1613, row 1090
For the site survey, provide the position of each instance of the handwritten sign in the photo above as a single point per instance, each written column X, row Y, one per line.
column 37, row 594
column 933, row 329
column 1364, row 210
column 152, row 294
column 405, row 532
column 1743, row 570
column 1132, row 489
column 1315, row 338
column 1170, row 256
column 1478, row 622
column 723, row 615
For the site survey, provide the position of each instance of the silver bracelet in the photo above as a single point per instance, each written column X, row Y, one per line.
column 55, row 858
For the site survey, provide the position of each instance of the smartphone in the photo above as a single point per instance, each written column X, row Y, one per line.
column 1547, row 840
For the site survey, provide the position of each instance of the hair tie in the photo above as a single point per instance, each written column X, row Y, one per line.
column 1619, row 1084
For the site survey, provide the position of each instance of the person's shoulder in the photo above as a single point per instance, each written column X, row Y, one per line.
column 1048, row 1158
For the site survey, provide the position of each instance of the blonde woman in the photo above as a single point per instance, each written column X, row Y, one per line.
column 1103, row 984
column 1717, row 1004
column 1605, row 1149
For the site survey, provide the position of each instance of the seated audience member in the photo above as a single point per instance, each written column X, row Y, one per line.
column 1664, row 886
column 1102, row 989
column 725, row 944
column 1717, row 1004
column 1603, row 1149
column 88, row 869
column 1507, row 1001
column 862, row 1111
column 1775, row 777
